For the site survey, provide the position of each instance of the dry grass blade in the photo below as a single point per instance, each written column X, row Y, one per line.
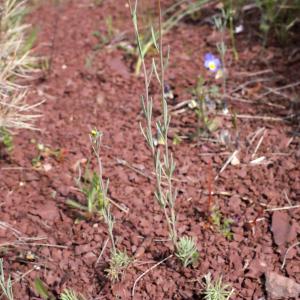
column 146, row 272
column 286, row 253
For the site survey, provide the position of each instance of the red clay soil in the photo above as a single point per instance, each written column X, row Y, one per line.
column 85, row 88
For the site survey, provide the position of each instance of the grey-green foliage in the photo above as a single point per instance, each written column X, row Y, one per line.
column 119, row 262
column 163, row 161
column 69, row 294
column 5, row 284
column 187, row 251
column 216, row 290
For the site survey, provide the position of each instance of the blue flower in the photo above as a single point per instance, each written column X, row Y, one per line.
column 211, row 62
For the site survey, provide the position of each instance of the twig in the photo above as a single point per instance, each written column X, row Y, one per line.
column 258, row 144
column 287, row 198
column 253, row 74
column 279, row 89
column 287, row 251
column 146, row 272
column 243, row 85
column 16, row 243
column 234, row 98
column 180, row 105
column 120, row 207
column 263, row 118
column 274, row 91
column 254, row 135
column 227, row 163
column 128, row 165
column 283, row 208
column 102, row 251
column 5, row 225
column 47, row 245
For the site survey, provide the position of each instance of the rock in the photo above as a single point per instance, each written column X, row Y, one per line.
column 47, row 211
column 280, row 227
column 89, row 258
column 117, row 65
column 47, row 167
column 235, row 161
column 280, row 287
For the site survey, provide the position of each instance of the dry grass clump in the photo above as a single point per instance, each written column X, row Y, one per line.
column 16, row 67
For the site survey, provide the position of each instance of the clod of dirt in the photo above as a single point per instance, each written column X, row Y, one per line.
column 280, row 287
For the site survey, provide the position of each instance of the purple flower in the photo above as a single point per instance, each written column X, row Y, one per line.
column 211, row 62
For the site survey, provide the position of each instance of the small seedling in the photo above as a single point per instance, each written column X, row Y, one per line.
column 42, row 290
column 204, row 104
column 6, row 285
column 6, row 139
column 93, row 185
column 99, row 200
column 44, row 152
column 222, row 224
column 93, row 194
column 216, row 290
column 186, row 251
column 177, row 139
column 105, row 39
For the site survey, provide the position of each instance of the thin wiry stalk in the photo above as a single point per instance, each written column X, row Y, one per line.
column 221, row 23
column 119, row 260
column 96, row 140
